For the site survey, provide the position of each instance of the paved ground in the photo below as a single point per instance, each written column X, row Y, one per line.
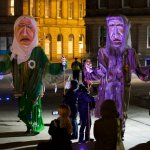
column 12, row 132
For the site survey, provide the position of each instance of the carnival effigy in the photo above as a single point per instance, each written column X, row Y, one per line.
column 29, row 65
column 116, row 61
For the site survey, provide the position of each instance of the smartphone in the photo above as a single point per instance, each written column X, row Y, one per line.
column 54, row 112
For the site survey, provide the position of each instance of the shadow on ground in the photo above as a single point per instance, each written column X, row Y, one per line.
column 27, row 145
column 31, row 145
column 141, row 146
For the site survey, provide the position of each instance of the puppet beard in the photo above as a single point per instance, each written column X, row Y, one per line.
column 116, row 51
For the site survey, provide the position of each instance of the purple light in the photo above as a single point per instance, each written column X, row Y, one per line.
column 1, row 77
column 7, row 98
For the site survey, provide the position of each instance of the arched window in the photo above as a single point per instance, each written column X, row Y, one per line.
column 81, row 44
column 48, row 46
column 70, row 44
column 59, row 44
column 101, row 36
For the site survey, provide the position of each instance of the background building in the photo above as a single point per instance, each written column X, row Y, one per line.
column 137, row 11
column 9, row 11
column 61, row 26
column 60, row 23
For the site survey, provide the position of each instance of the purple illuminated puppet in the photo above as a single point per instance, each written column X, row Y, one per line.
column 116, row 62
column 29, row 66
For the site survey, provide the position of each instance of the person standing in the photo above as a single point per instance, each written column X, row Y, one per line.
column 70, row 99
column 86, row 103
column 29, row 66
column 107, row 129
column 76, row 68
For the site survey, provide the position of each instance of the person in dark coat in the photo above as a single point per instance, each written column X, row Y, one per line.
column 71, row 100
column 86, row 103
column 60, row 130
column 76, row 68
column 106, row 128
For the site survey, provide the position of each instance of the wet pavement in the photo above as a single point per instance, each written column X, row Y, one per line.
column 12, row 130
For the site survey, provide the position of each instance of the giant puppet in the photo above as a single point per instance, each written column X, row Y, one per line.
column 29, row 65
column 116, row 62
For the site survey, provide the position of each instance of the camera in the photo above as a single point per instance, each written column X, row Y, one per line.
column 54, row 112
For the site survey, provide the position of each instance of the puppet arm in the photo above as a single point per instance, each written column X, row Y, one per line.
column 94, row 75
column 5, row 64
column 143, row 73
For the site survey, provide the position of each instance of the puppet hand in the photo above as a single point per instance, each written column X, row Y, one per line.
column 63, row 61
column 88, row 66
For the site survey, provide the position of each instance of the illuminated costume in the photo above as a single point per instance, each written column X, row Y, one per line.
column 116, row 62
column 29, row 65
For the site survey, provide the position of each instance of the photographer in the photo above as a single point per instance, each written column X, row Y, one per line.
column 60, row 130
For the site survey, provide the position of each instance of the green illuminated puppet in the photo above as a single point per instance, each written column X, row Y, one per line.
column 29, row 65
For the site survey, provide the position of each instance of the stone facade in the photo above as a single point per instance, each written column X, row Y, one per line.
column 52, row 27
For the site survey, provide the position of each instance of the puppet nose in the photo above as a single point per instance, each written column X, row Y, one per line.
column 24, row 30
column 116, row 33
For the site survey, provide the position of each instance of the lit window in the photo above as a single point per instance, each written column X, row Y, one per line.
column 48, row 46
column 59, row 9
column 70, row 10
column 81, row 12
column 59, row 44
column 32, row 8
column 148, row 37
column 81, row 44
column 70, row 44
column 47, row 8
column 11, row 8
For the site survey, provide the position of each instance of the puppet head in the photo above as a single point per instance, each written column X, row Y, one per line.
column 118, row 34
column 25, row 38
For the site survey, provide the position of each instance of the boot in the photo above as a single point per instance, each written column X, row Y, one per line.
column 29, row 131
column 81, row 136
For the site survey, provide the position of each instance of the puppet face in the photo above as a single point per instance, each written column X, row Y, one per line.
column 25, row 32
column 116, row 31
